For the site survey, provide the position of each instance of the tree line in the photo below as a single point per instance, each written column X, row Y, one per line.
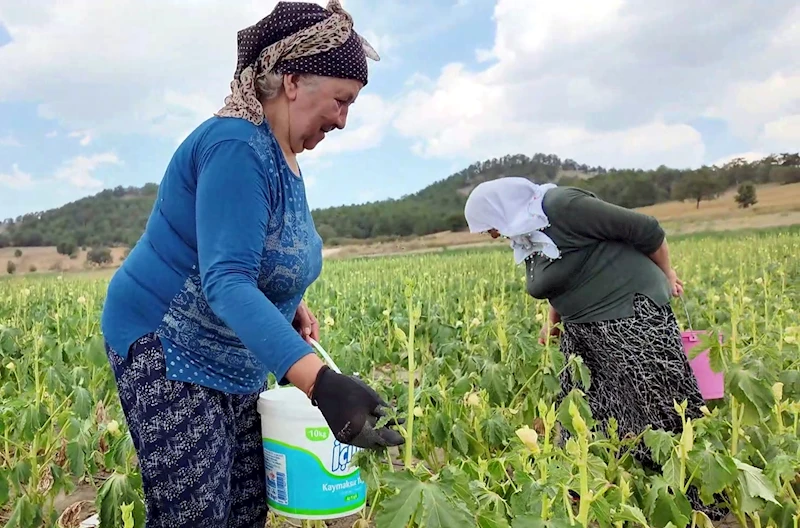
column 117, row 217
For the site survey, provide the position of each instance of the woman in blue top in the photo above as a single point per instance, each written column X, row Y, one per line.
column 210, row 300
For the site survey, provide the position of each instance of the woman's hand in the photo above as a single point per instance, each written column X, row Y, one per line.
column 352, row 410
column 675, row 284
column 305, row 323
column 548, row 330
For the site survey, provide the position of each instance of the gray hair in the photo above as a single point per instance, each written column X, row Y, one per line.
column 270, row 84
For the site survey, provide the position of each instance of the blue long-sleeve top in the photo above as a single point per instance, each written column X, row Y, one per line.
column 228, row 252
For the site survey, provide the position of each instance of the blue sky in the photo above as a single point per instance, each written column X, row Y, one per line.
column 88, row 100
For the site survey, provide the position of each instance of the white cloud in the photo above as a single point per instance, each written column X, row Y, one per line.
column 612, row 82
column 749, row 105
column 17, row 179
column 9, row 141
column 84, row 135
column 79, row 171
column 113, row 76
column 51, row 134
column 784, row 132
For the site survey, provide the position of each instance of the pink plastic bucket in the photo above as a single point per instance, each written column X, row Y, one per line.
column 712, row 384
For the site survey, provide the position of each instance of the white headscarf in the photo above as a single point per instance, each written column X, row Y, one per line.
column 512, row 206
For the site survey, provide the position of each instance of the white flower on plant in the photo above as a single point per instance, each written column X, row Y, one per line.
column 113, row 427
column 530, row 438
column 10, row 365
column 81, row 300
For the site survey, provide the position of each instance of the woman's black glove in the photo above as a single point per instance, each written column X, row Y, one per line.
column 352, row 409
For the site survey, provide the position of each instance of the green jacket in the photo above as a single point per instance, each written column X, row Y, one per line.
column 604, row 258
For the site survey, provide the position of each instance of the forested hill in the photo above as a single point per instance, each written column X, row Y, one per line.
column 116, row 217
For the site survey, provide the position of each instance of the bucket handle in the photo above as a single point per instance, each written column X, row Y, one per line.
column 325, row 355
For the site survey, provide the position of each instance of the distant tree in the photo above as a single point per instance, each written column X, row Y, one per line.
column 746, row 195
column 32, row 269
column 67, row 248
column 18, row 253
column 326, row 232
column 117, row 217
column 785, row 174
column 698, row 185
column 11, row 267
column 99, row 255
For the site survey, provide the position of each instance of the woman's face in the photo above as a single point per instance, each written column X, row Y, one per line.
column 317, row 106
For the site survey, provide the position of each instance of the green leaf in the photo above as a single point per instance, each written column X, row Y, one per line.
column 119, row 489
column 713, row 471
column 461, row 386
column 425, row 502
column 580, row 372
column 671, row 471
column 460, row 439
column 4, row 487
column 753, row 392
column 25, row 514
column 601, row 511
column 661, row 444
column 702, row 520
column 782, row 468
column 495, row 380
column 455, row 482
column 532, row 521
column 439, row 429
column 52, row 380
column 667, row 507
column 492, row 519
column 628, row 513
column 791, row 384
column 76, row 456
column 754, row 486
column 83, row 402
column 496, row 430
column 583, row 408
column 21, row 474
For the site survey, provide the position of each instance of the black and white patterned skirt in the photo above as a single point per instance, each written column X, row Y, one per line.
column 638, row 370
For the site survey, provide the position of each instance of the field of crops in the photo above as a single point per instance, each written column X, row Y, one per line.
column 481, row 424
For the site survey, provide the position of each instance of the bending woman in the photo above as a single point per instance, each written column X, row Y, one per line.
column 210, row 299
column 606, row 273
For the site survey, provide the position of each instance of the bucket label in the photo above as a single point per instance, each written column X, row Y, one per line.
column 318, row 434
column 313, row 481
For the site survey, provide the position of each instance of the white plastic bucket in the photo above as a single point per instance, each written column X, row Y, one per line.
column 309, row 473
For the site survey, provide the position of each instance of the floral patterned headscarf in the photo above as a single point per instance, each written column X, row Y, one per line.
column 297, row 37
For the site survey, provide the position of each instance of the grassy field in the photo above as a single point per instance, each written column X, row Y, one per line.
column 482, row 423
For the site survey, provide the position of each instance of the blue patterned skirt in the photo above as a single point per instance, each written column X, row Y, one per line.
column 199, row 449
